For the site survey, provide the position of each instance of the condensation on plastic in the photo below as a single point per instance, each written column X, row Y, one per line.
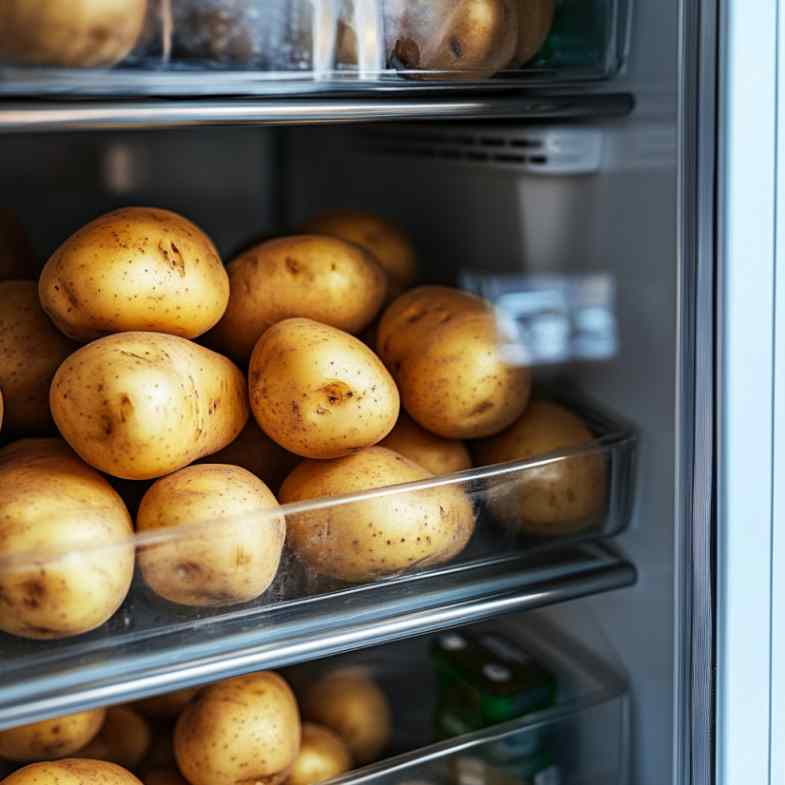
column 247, row 46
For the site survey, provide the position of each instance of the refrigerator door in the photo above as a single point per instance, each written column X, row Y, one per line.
column 750, row 679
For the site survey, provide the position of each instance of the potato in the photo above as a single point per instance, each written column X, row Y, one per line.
column 51, row 739
column 379, row 536
column 558, row 498
column 245, row 729
column 535, row 19
column 320, row 278
column 458, row 384
column 164, row 776
column 350, row 703
column 139, row 268
column 166, row 706
column 17, row 260
column 233, row 555
column 320, row 392
column 323, row 755
column 387, row 242
column 124, row 739
column 464, row 39
column 141, row 405
column 31, row 350
column 71, row 535
column 436, row 455
column 255, row 451
column 70, row 33
column 414, row 316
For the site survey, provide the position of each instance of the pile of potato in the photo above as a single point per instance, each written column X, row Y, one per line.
column 453, row 39
column 245, row 729
column 191, row 449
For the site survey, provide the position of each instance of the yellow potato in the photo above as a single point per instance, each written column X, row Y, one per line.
column 124, row 739
column 70, row 33
column 241, row 730
column 164, row 776
column 323, row 755
column 415, row 315
column 139, row 268
column 233, row 556
column 558, row 498
column 535, row 19
column 255, row 451
column 31, row 350
column 436, row 455
column 71, row 534
column 141, row 405
column 17, row 260
column 320, row 392
column 72, row 771
column 350, row 703
column 51, row 739
column 458, row 384
column 380, row 536
column 167, row 706
column 467, row 39
column 320, row 278
column 389, row 244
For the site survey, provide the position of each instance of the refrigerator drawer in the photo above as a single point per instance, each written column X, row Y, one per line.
column 274, row 47
column 312, row 608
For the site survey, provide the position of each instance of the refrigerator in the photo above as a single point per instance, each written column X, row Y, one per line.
column 613, row 194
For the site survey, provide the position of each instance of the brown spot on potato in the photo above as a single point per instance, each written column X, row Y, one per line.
column 481, row 408
column 292, row 265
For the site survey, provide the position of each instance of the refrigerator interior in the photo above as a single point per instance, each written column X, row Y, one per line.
column 613, row 210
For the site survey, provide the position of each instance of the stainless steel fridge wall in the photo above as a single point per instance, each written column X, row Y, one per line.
column 474, row 207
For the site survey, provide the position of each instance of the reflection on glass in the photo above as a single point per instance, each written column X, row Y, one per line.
column 552, row 318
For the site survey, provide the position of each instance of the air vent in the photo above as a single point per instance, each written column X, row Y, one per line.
column 544, row 151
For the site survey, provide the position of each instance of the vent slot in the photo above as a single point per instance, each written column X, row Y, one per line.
column 544, row 151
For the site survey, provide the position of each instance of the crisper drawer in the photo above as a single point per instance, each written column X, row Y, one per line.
column 153, row 643
column 505, row 703
column 258, row 47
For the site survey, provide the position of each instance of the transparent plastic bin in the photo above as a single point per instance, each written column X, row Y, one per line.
column 302, row 608
column 584, row 735
column 275, row 47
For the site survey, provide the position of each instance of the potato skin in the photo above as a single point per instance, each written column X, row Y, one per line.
column 415, row 315
column 123, row 739
column 379, row 536
column 142, row 405
column 167, row 706
column 389, row 244
column 139, row 268
column 51, row 739
column 436, row 455
column 50, row 501
column 323, row 755
column 233, row 560
column 458, row 385
column 467, row 39
column 245, row 729
column 70, row 33
column 72, row 771
column 255, row 451
column 535, row 19
column 320, row 278
column 349, row 702
column 31, row 350
column 320, row 392
column 559, row 498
